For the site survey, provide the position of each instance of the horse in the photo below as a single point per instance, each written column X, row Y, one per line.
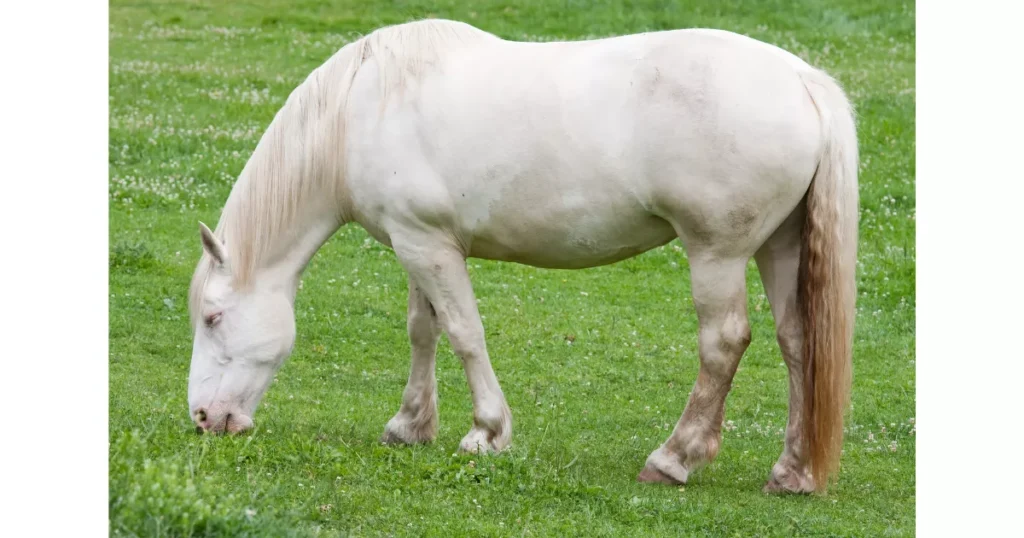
column 446, row 142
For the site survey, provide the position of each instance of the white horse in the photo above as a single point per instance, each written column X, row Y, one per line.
column 445, row 142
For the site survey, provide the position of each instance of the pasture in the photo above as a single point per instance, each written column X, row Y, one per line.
column 596, row 364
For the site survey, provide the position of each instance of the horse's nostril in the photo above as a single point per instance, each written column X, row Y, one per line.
column 201, row 415
column 227, row 422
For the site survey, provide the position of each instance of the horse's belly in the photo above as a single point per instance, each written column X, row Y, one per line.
column 543, row 235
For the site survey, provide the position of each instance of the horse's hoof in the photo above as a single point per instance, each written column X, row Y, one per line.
column 478, row 441
column 403, row 432
column 664, row 467
column 653, row 475
column 774, row 486
column 392, row 438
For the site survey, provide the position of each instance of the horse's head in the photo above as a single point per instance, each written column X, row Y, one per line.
column 242, row 336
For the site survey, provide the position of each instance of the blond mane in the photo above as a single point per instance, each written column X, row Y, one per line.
column 299, row 157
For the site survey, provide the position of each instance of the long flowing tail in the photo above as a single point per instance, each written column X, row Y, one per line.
column 827, row 280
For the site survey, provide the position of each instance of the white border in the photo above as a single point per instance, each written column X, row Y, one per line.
column 54, row 244
column 970, row 217
column 970, row 235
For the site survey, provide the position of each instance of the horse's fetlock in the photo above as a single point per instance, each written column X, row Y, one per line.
column 495, row 419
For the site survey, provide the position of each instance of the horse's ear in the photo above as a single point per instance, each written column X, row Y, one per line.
column 212, row 245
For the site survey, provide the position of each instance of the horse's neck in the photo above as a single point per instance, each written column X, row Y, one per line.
column 290, row 258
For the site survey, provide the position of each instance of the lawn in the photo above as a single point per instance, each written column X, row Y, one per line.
column 596, row 364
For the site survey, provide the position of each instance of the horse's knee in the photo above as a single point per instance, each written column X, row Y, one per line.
column 466, row 341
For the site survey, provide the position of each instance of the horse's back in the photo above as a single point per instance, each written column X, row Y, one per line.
column 573, row 154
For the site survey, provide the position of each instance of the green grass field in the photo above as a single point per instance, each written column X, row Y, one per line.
column 596, row 364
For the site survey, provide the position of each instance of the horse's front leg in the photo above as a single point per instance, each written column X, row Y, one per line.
column 416, row 420
column 439, row 270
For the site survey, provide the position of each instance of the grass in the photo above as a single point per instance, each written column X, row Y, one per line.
column 596, row 364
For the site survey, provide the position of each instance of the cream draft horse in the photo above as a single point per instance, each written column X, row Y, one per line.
column 445, row 142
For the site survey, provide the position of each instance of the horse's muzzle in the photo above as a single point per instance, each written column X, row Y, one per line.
column 220, row 421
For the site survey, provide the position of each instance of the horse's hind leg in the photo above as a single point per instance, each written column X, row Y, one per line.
column 416, row 420
column 720, row 296
column 778, row 260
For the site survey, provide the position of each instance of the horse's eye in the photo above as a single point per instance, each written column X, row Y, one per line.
column 212, row 319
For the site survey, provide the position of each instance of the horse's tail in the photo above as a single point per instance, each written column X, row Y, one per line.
column 827, row 280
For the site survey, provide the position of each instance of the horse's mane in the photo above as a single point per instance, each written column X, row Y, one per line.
column 299, row 157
